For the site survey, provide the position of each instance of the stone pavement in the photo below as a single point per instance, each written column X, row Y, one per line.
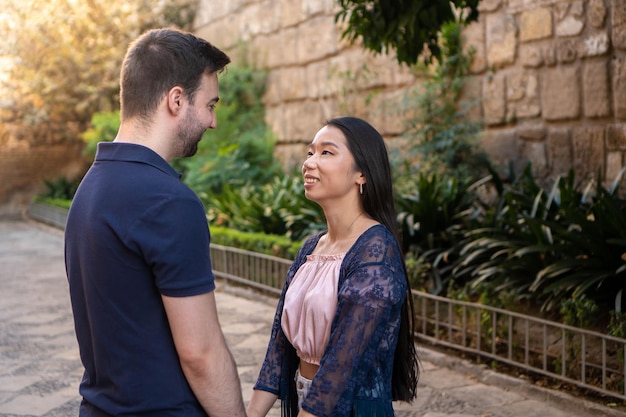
column 40, row 368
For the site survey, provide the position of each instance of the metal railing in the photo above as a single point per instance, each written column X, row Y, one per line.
column 583, row 358
column 263, row 272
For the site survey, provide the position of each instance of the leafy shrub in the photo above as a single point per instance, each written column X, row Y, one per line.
column 241, row 149
column 60, row 188
column 274, row 245
column 278, row 207
column 440, row 135
column 103, row 128
column 432, row 216
column 566, row 244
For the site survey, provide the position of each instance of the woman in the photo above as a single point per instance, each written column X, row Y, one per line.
column 345, row 311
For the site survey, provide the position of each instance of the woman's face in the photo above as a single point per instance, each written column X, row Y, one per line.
column 329, row 169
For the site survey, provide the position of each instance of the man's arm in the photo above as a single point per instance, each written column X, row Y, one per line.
column 204, row 356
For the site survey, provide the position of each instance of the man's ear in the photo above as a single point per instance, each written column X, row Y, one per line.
column 175, row 98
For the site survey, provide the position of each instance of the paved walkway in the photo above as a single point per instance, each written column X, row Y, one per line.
column 40, row 367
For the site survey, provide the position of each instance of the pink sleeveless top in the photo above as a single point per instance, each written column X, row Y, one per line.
column 310, row 305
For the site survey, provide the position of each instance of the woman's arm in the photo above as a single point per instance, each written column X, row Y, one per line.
column 260, row 403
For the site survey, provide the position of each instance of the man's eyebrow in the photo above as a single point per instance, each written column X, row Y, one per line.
column 214, row 99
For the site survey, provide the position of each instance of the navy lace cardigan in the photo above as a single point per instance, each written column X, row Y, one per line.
column 354, row 378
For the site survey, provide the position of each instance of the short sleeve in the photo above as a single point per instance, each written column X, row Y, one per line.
column 174, row 239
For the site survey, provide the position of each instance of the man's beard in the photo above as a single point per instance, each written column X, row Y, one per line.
column 189, row 135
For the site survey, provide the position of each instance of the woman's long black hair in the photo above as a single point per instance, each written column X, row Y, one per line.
column 370, row 155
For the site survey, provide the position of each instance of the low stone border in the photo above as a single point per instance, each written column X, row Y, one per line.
column 54, row 216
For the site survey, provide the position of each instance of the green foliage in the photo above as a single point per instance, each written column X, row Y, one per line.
column 278, row 207
column 274, row 245
column 56, row 202
column 550, row 246
column 431, row 216
column 405, row 26
column 440, row 135
column 580, row 312
column 241, row 149
column 103, row 128
column 60, row 188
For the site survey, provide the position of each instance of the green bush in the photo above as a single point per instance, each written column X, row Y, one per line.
column 103, row 128
column 274, row 245
column 241, row 149
column 59, row 189
column 278, row 207
column 440, row 135
column 433, row 218
column 552, row 247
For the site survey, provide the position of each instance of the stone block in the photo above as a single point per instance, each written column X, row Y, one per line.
column 567, row 51
column 549, row 55
column 287, row 53
column 501, row 35
column 319, row 82
column 291, row 13
column 619, row 87
column 618, row 23
column 559, row 151
column 275, row 119
column 570, row 26
column 616, row 137
column 588, row 151
column 535, row 24
column 596, row 44
column 471, row 98
column 534, row 153
column 532, row 133
column 596, row 102
column 531, row 56
column 256, row 19
column 474, row 39
column 209, row 12
column 489, row 5
column 502, row 148
column 219, row 33
column 560, row 93
column 317, row 7
column 614, row 164
column 522, row 89
column 596, row 13
column 316, row 38
column 303, row 119
column 293, row 83
column 494, row 99
column 272, row 94
column 291, row 155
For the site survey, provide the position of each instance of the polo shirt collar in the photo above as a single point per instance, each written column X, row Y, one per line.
column 131, row 152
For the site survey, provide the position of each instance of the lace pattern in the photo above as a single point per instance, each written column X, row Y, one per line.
column 354, row 378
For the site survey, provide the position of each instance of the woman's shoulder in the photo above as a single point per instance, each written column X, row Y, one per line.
column 375, row 244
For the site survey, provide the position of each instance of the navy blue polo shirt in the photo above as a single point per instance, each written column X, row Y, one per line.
column 134, row 232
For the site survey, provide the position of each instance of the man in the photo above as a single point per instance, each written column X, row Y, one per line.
column 137, row 247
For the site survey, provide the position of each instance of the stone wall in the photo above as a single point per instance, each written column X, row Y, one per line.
column 25, row 161
column 314, row 75
column 550, row 75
